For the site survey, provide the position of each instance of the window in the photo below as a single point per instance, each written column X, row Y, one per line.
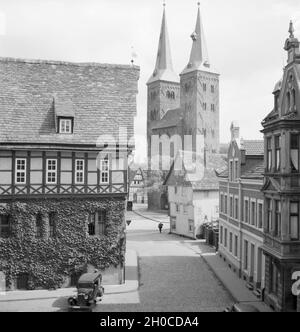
column 212, row 89
column 39, row 226
column 92, row 224
column 185, row 211
column 246, row 256
column 204, row 87
column 269, row 215
column 295, row 152
column 79, row 171
column 246, row 216
column 222, row 203
column 191, row 226
column 236, row 241
column 269, row 154
column 231, row 207
column 204, row 106
column 5, row 226
column 231, row 170
column 225, row 239
column 236, row 214
column 52, row 225
column 294, row 221
column 230, row 242
column 221, row 234
column 176, row 190
column 225, row 204
column 51, row 175
column 260, row 215
column 253, row 213
column 212, row 107
column 20, row 171
column 277, row 153
column 277, row 218
column 236, row 169
column 104, row 171
column 102, row 220
column 173, row 224
column 288, row 102
column 65, row 126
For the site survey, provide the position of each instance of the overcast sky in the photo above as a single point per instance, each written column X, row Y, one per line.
column 245, row 43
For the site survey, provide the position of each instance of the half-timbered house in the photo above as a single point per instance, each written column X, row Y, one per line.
column 65, row 132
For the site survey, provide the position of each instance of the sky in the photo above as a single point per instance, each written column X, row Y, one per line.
column 245, row 42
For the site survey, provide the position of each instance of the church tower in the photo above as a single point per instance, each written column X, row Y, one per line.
column 199, row 97
column 163, row 85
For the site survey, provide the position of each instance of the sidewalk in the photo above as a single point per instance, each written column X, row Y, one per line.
column 234, row 285
column 131, row 285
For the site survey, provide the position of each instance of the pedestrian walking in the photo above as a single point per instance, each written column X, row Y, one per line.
column 160, row 227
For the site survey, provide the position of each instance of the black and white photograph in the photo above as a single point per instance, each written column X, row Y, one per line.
column 149, row 159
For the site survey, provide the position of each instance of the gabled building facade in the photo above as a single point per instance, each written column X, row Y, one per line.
column 282, row 185
column 241, row 210
column 63, row 169
column 193, row 191
column 137, row 186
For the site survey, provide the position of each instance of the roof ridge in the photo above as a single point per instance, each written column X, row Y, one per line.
column 67, row 63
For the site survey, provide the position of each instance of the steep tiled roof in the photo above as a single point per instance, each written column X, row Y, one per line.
column 101, row 97
column 171, row 119
column 254, row 148
column 255, row 171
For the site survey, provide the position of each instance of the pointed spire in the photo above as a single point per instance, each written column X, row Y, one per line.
column 164, row 66
column 291, row 30
column 199, row 55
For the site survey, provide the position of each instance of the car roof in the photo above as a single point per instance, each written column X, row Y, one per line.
column 89, row 277
column 245, row 307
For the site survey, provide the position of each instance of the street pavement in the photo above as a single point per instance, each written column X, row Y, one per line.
column 173, row 277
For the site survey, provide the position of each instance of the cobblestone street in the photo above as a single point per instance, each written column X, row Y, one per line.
column 173, row 277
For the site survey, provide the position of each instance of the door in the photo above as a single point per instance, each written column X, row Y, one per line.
column 22, row 281
column 252, row 267
column 259, row 267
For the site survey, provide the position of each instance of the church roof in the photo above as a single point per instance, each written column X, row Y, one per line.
column 164, row 67
column 100, row 97
column 199, row 59
column 171, row 119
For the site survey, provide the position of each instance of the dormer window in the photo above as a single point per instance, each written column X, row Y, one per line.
column 65, row 125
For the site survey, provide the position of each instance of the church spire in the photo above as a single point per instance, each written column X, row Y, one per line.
column 199, row 54
column 164, row 67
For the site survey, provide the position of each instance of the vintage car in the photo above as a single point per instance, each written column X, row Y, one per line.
column 241, row 307
column 89, row 292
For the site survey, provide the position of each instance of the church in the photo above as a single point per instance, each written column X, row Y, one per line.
column 184, row 105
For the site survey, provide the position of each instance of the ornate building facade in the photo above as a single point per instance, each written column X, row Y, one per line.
column 282, row 185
